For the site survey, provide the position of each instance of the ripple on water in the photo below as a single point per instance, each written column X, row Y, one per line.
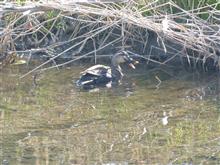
column 137, row 122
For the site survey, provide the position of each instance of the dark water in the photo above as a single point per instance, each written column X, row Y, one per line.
column 139, row 122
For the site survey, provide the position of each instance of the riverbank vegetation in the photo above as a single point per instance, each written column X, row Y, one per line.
column 158, row 31
column 157, row 115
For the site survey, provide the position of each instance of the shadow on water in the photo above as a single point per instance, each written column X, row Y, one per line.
column 143, row 121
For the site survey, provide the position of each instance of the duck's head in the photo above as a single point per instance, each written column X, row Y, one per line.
column 123, row 57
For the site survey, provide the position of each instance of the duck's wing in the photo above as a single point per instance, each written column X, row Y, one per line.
column 95, row 76
column 98, row 70
column 86, row 79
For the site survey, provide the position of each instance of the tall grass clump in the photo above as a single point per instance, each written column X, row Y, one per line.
column 174, row 28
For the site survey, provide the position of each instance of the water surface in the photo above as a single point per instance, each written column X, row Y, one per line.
column 141, row 121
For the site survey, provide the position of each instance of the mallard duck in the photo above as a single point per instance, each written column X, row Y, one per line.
column 104, row 76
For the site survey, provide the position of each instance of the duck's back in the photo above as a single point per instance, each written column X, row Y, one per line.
column 98, row 70
column 95, row 76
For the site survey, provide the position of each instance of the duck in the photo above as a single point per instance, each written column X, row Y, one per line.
column 105, row 76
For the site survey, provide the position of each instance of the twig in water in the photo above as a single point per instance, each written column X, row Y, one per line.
column 159, row 82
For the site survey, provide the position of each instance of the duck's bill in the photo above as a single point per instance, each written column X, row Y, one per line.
column 136, row 62
column 131, row 65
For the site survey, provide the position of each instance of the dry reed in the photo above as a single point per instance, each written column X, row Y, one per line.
column 96, row 28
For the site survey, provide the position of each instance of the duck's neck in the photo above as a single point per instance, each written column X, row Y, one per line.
column 116, row 72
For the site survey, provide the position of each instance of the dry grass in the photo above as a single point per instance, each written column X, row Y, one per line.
column 94, row 29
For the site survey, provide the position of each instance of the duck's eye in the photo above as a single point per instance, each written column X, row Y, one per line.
column 129, row 58
column 126, row 58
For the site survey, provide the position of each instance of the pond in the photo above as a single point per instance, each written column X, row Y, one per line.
column 141, row 121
